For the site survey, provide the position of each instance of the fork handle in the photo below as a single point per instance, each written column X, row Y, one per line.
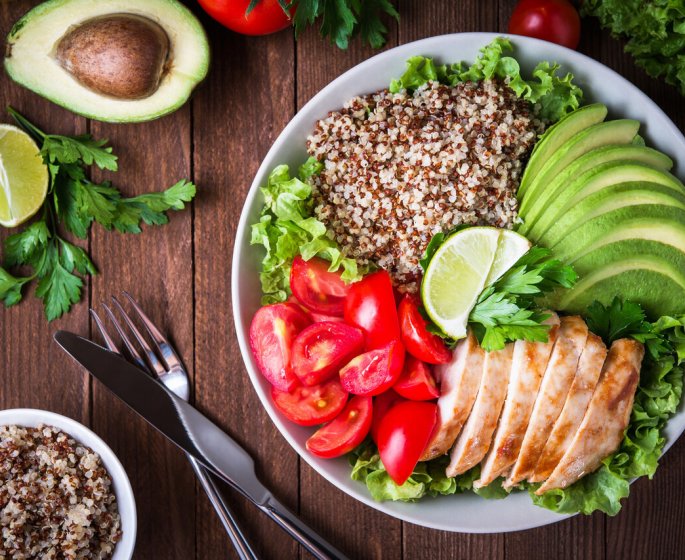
column 240, row 542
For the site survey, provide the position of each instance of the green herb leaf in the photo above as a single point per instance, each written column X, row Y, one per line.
column 78, row 149
column 10, row 287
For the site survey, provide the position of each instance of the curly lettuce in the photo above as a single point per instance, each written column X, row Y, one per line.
column 554, row 95
column 287, row 228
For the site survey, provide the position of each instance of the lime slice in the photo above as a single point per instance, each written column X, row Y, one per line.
column 511, row 247
column 456, row 276
column 23, row 176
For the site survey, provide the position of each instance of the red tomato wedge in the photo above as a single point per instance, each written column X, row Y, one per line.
column 416, row 382
column 370, row 305
column 309, row 406
column 345, row 432
column 316, row 288
column 272, row 332
column 315, row 317
column 418, row 341
column 375, row 371
column 403, row 434
column 321, row 349
column 381, row 404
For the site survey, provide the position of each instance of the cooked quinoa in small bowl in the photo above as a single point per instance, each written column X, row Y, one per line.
column 63, row 492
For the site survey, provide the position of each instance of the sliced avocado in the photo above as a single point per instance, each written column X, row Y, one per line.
column 609, row 224
column 594, row 180
column 613, row 132
column 110, row 60
column 646, row 279
column 555, row 136
column 532, row 207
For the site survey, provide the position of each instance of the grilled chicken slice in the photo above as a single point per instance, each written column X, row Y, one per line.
column 601, row 431
column 566, row 426
column 554, row 389
column 459, row 381
column 476, row 436
column 528, row 366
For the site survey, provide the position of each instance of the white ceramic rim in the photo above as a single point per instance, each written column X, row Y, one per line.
column 32, row 417
column 582, row 65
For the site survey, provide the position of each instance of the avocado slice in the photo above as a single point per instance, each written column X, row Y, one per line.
column 533, row 207
column 622, row 131
column 606, row 200
column 630, row 218
column 594, row 180
column 555, row 136
column 110, row 60
column 647, row 279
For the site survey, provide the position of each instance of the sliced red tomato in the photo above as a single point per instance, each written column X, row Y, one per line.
column 315, row 317
column 418, row 341
column 309, row 406
column 370, row 305
column 552, row 20
column 321, row 349
column 344, row 432
column 272, row 333
column 267, row 16
column 316, row 288
column 416, row 382
column 403, row 434
column 374, row 371
column 381, row 404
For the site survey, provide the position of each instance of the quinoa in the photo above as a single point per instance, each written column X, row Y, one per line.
column 56, row 498
column 399, row 168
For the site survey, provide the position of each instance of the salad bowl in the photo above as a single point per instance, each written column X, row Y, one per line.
column 462, row 512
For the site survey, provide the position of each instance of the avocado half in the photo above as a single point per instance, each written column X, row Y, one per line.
column 110, row 60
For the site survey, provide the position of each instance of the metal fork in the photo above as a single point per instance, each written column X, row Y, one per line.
column 166, row 366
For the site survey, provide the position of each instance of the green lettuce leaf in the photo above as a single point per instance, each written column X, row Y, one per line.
column 554, row 95
column 286, row 228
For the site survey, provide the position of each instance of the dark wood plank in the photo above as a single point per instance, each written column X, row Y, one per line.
column 245, row 103
column 34, row 372
column 156, row 267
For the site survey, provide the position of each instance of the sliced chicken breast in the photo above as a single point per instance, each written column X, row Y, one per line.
column 459, row 381
column 601, row 431
column 554, row 389
column 476, row 436
column 528, row 366
column 583, row 386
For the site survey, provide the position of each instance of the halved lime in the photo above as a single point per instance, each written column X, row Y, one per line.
column 456, row 276
column 23, row 176
column 511, row 247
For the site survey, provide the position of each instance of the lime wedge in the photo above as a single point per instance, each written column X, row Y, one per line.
column 23, row 176
column 511, row 247
column 456, row 276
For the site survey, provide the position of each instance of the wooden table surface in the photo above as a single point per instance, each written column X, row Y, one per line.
column 181, row 273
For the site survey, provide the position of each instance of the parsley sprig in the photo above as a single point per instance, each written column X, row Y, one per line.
column 73, row 203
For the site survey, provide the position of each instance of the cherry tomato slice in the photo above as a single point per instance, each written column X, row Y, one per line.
column 416, row 382
column 321, row 349
column 403, row 434
column 344, row 432
column 267, row 16
column 315, row 317
column 310, row 406
column 272, row 332
column 381, row 404
column 374, row 371
column 552, row 20
column 370, row 305
column 418, row 341
column 316, row 288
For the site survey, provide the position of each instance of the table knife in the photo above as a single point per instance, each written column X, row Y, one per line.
column 191, row 431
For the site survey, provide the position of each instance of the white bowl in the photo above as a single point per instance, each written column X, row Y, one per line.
column 32, row 418
column 467, row 512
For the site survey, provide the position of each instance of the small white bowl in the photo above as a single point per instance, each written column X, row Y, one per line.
column 32, row 418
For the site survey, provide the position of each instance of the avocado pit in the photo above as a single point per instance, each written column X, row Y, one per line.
column 120, row 55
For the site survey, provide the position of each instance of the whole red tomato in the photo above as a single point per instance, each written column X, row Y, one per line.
column 556, row 21
column 266, row 17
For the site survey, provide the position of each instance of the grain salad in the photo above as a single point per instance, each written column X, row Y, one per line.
column 399, row 168
column 56, row 498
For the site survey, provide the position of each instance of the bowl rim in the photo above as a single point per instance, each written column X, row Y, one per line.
column 82, row 434
column 242, row 231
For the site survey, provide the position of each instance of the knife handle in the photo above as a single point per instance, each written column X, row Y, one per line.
column 302, row 533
